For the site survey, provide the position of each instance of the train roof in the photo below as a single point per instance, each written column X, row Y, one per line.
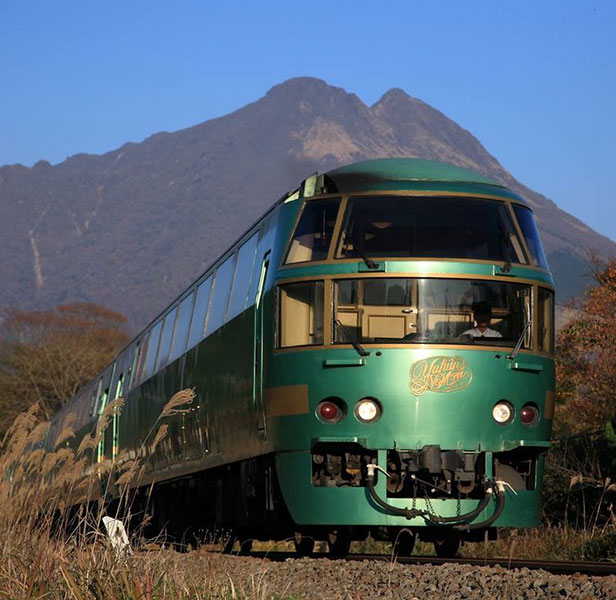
column 374, row 174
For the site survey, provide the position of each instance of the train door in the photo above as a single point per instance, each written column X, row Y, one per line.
column 108, row 447
column 115, row 419
column 257, row 388
column 102, row 401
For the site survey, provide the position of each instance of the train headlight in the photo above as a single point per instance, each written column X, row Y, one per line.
column 368, row 410
column 502, row 412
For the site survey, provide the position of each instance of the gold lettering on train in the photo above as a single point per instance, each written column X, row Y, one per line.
column 441, row 374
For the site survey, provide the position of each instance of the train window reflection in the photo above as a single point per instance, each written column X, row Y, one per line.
column 301, row 314
column 165, row 339
column 545, row 320
column 429, row 227
column 152, row 350
column 220, row 295
column 181, row 328
column 243, row 272
column 529, row 229
column 197, row 323
column 431, row 311
column 314, row 231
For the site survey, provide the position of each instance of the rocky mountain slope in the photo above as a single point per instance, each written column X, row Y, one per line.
column 131, row 228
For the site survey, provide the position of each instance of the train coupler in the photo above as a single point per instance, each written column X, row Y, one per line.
column 459, row 521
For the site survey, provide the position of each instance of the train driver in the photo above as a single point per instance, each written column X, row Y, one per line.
column 482, row 315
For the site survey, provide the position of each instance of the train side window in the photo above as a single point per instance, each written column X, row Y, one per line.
column 119, row 387
column 266, row 241
column 545, row 320
column 301, row 314
column 152, row 348
column 220, row 296
column 117, row 372
column 96, row 392
column 314, row 230
column 181, row 327
column 102, row 391
column 197, row 324
column 165, row 339
column 138, row 377
column 82, row 407
column 132, row 367
column 243, row 274
column 103, row 400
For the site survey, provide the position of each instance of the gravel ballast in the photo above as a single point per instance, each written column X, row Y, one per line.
column 337, row 579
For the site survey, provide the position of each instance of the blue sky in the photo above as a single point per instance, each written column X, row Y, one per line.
column 535, row 82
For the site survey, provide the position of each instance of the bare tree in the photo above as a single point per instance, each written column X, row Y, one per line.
column 46, row 356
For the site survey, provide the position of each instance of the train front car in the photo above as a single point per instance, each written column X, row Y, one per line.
column 410, row 387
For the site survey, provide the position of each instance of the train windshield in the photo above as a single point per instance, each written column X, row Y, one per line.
column 431, row 311
column 529, row 229
column 313, row 233
column 429, row 227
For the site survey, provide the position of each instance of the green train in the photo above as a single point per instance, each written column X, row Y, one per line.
column 374, row 356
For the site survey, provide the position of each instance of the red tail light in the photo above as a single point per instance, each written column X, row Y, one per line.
column 328, row 411
column 529, row 414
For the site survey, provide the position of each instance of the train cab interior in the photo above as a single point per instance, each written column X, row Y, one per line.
column 403, row 310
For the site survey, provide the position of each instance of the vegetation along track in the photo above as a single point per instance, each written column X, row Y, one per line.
column 555, row 567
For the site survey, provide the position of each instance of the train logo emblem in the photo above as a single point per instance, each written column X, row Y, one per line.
column 441, row 374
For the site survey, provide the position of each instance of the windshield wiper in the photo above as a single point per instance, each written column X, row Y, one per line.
column 358, row 347
column 349, row 237
column 518, row 345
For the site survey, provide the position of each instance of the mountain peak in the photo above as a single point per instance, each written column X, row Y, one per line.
column 300, row 85
column 311, row 89
column 394, row 95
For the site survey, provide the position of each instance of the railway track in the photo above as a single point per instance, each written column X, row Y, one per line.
column 601, row 569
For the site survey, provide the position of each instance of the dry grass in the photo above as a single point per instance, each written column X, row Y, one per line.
column 48, row 550
column 544, row 543
column 549, row 543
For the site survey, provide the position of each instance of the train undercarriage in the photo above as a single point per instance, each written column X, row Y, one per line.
column 241, row 502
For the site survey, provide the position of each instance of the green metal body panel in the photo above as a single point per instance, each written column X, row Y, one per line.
column 407, row 170
column 455, row 421
column 220, row 426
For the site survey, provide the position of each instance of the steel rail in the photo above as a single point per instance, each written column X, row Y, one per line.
column 600, row 569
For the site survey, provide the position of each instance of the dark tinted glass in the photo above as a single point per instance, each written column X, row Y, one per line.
column 138, row 378
column 152, row 349
column 397, row 226
column 387, row 292
column 197, row 323
column 314, row 231
column 266, row 241
column 529, row 229
column 222, row 287
column 165, row 339
column 181, row 327
column 243, row 273
column 347, row 291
